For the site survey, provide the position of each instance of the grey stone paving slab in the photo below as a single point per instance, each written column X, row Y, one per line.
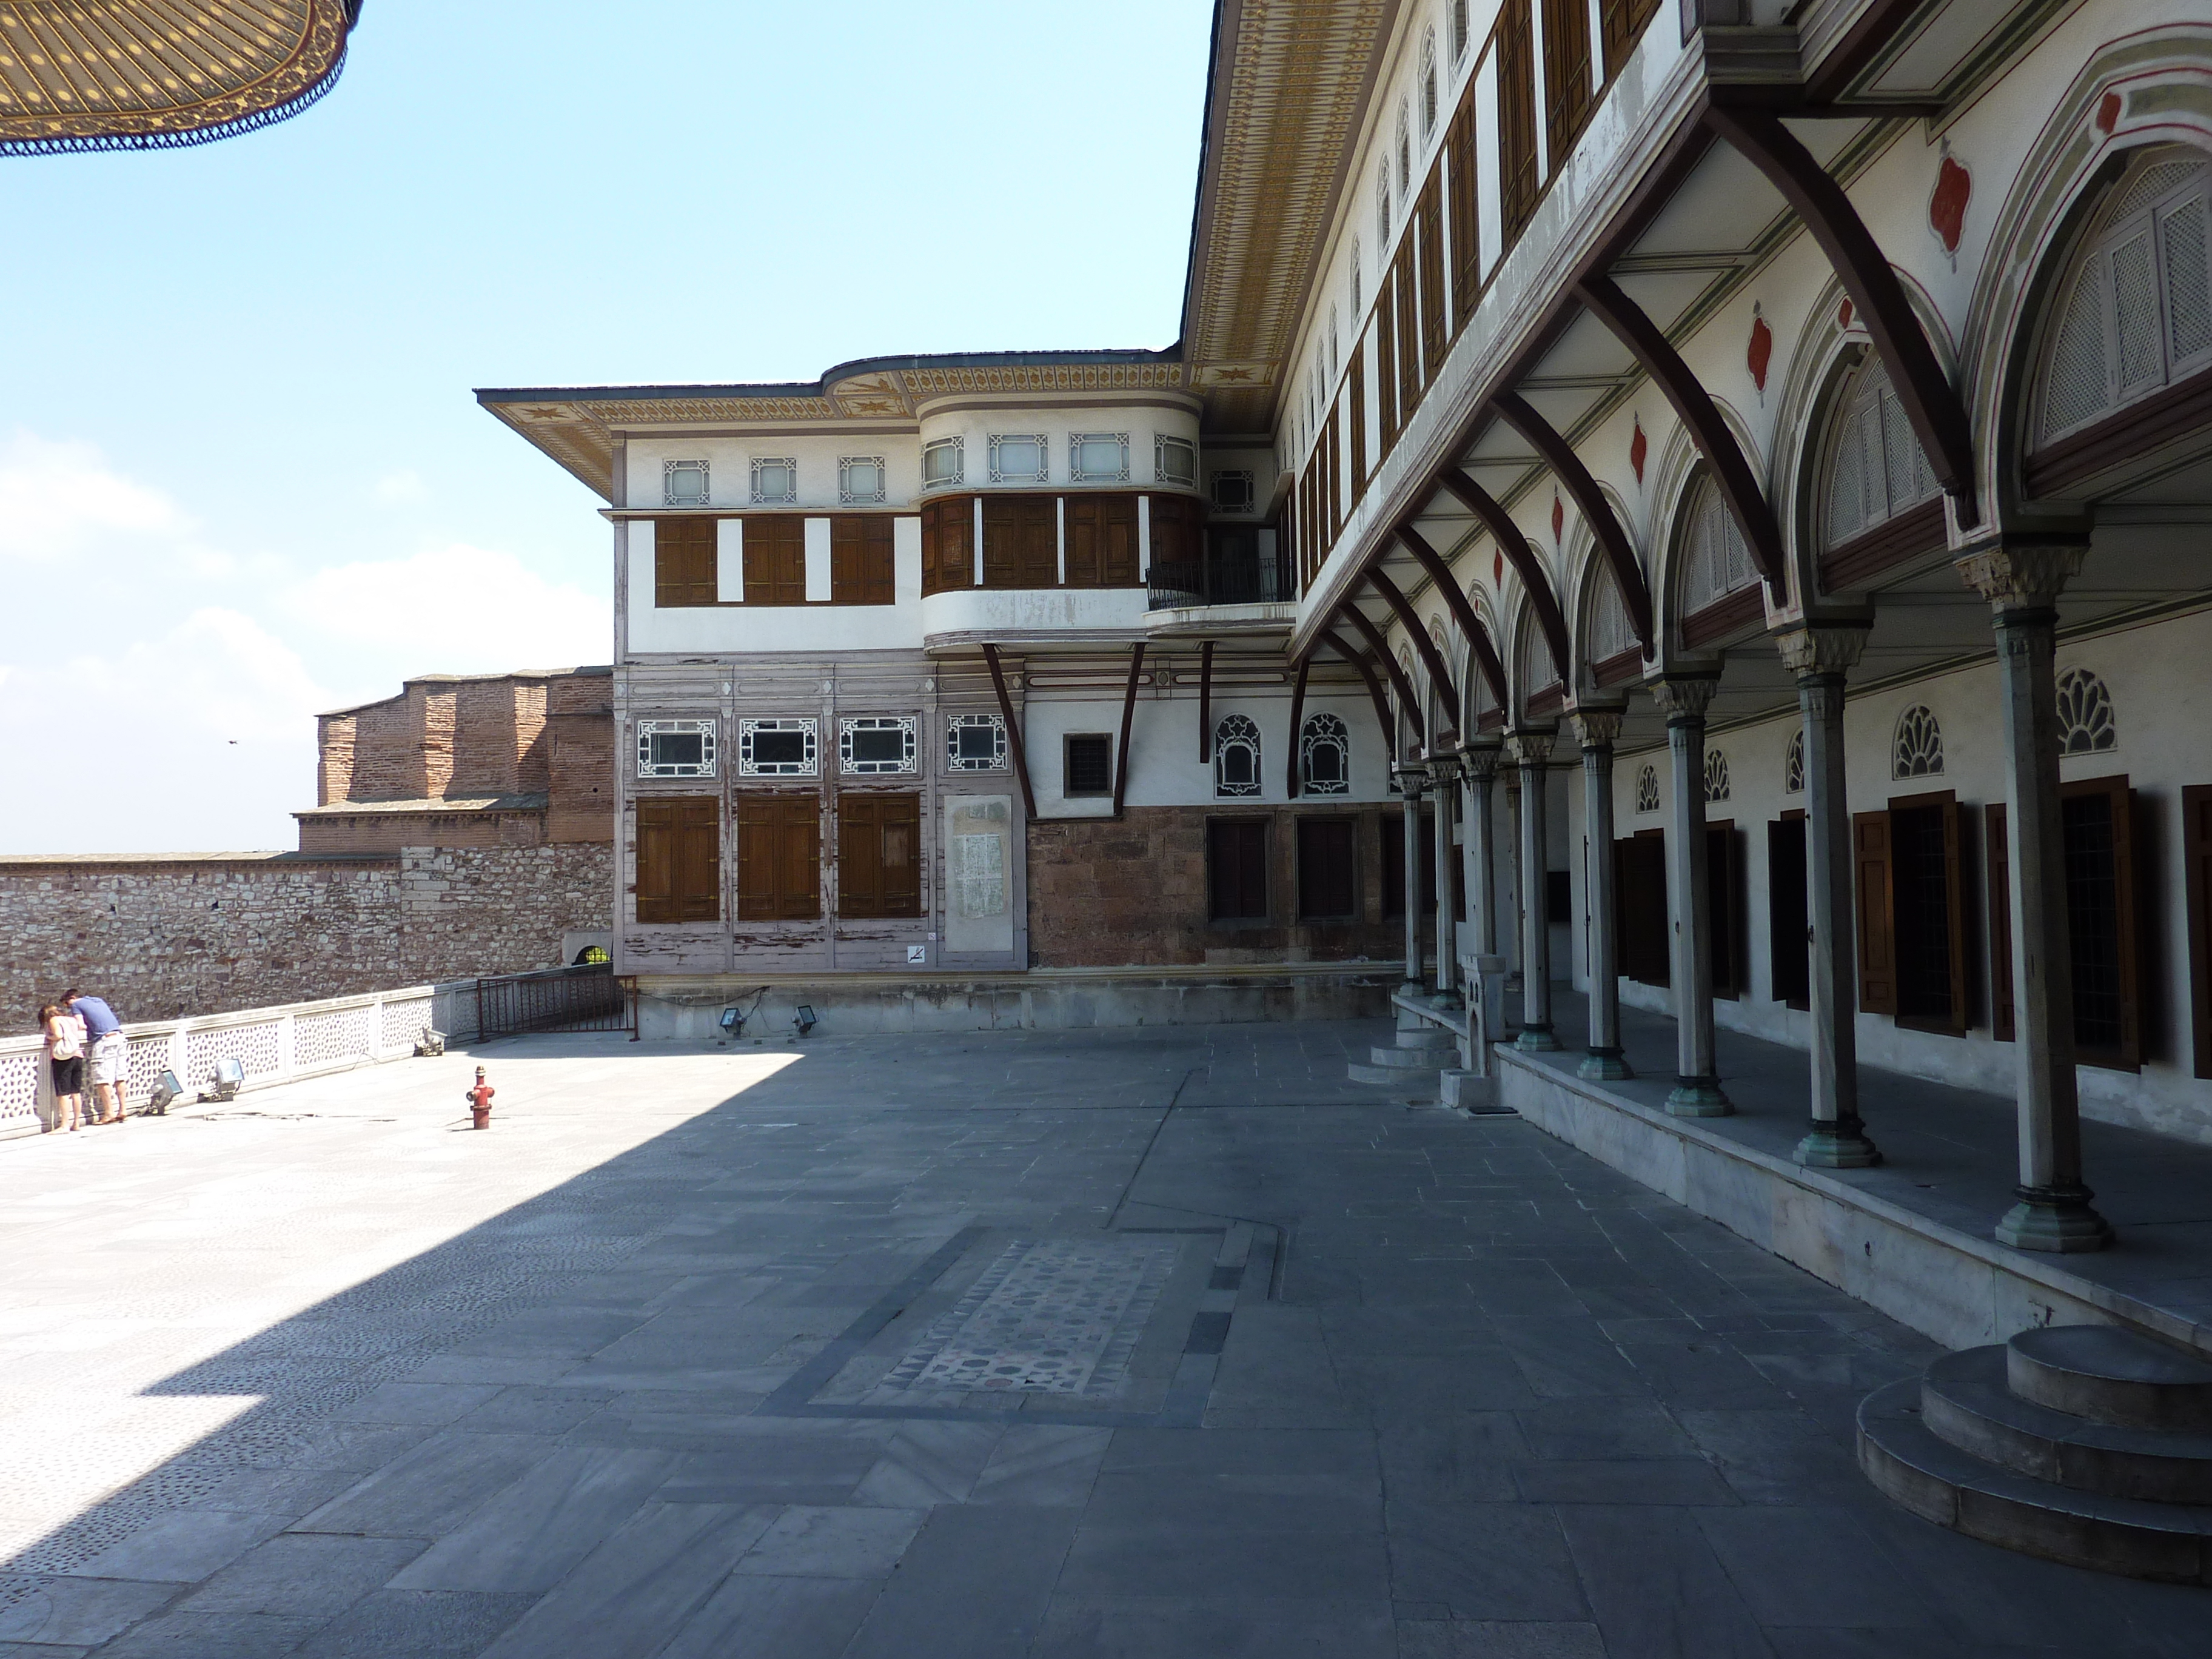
column 760, row 1618
column 66, row 1612
column 1656, row 1586
column 1489, row 1639
column 1497, row 1561
column 806, row 1542
column 975, row 1584
column 528, row 1536
column 1042, row 1465
column 928, row 1463
column 304, row 1575
column 1225, row 1627
column 427, row 1492
column 418, row 1623
column 184, row 1547
column 213, row 1636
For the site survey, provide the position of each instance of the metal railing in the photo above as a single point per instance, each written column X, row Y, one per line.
column 1254, row 580
column 583, row 999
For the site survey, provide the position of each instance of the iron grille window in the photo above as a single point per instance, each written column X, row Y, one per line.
column 1088, row 763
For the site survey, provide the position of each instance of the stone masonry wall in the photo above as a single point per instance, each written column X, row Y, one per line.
column 164, row 937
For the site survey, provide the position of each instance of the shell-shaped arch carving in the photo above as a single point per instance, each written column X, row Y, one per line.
column 1716, row 775
column 1916, row 750
column 2087, row 723
column 1647, row 788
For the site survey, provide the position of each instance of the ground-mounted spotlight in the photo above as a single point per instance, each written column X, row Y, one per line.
column 804, row 1019
column 166, row 1088
column 732, row 1021
column 230, row 1077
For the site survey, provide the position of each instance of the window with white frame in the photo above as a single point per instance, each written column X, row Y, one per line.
column 1716, row 776
column 684, row 484
column 1647, row 789
column 860, row 480
column 942, row 463
column 774, row 481
column 1233, row 490
column 1325, row 756
column 1428, row 83
column 1236, row 757
column 1793, row 765
column 1458, row 29
column 1383, row 208
column 778, row 748
column 676, row 749
column 1405, row 154
column 1017, row 457
column 876, row 745
column 2086, row 725
column 974, row 743
column 1174, row 460
column 1355, row 278
column 1098, row 458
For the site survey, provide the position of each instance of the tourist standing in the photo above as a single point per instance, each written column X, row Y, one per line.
column 64, row 1035
column 108, row 1055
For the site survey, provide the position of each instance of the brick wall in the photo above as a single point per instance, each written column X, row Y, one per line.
column 1104, row 893
column 163, row 937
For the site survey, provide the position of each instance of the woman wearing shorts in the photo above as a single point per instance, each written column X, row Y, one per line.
column 64, row 1034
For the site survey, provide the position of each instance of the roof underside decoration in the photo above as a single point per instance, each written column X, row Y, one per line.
column 1290, row 80
column 78, row 74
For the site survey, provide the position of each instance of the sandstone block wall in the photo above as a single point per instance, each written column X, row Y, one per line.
column 165, row 937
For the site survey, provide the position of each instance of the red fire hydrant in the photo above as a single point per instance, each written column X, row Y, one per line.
column 479, row 1099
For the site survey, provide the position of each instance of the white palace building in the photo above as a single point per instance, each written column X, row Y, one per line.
column 1742, row 468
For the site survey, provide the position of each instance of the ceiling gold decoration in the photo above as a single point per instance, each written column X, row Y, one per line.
column 147, row 74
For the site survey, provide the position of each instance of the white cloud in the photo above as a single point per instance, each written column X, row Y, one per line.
column 59, row 498
column 457, row 610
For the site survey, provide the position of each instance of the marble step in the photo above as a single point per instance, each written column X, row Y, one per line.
column 1427, row 1037
column 1412, row 1059
column 1426, row 1084
column 1965, row 1404
column 2111, row 1375
column 1938, row 1482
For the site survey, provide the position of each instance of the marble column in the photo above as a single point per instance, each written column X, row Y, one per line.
column 1696, row 1091
column 1511, row 936
column 1411, row 776
column 1595, row 729
column 1531, row 750
column 1820, row 656
column 1444, row 772
column 2022, row 582
column 1477, row 776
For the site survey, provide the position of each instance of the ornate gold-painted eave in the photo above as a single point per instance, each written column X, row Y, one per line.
column 78, row 74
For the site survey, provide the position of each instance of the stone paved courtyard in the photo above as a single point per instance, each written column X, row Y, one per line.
column 1156, row 1343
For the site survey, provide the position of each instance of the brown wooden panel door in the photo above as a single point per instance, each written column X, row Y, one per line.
column 1355, row 397
column 1788, row 918
column 948, row 558
column 930, row 543
column 680, row 859
column 860, row 561
column 779, row 857
column 1021, row 541
column 775, row 559
column 1641, row 931
column 1429, row 220
column 1328, row 888
column 1237, row 869
column 1567, row 96
column 1623, row 22
column 683, row 562
column 1386, row 366
column 1403, row 284
column 1876, row 929
column 1178, row 535
column 879, row 855
column 2197, row 859
column 1996, row 857
column 2097, row 816
column 1463, row 217
column 1516, row 115
column 1725, row 908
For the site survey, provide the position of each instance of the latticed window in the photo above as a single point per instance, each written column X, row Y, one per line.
column 1458, row 29
column 1877, row 468
column 2084, row 714
column 1609, row 634
column 1917, row 751
column 1236, row 757
column 1405, row 152
column 1532, row 663
column 775, row 480
column 2138, row 309
column 1383, row 210
column 1647, row 789
column 871, row 744
column 1793, row 766
column 1715, row 561
column 676, row 749
column 1017, row 457
column 782, row 747
column 1325, row 756
column 1428, row 84
column 685, row 483
column 1355, row 279
column 974, row 743
column 1716, row 776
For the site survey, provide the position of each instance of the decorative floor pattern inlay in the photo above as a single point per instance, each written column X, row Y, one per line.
column 1055, row 1315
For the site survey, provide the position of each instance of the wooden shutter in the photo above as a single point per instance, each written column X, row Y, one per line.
column 860, row 562
column 1788, row 916
column 2197, row 859
column 1177, row 538
column 1087, row 542
column 1386, row 366
column 1333, row 471
column 930, row 543
column 1724, row 907
column 1877, row 929
column 1407, row 306
column 2104, row 932
column 948, row 553
column 1997, row 855
column 1236, row 868
column 1328, row 888
column 779, row 857
column 1566, row 74
column 683, row 562
column 775, row 559
column 679, row 860
column 1428, row 220
column 1355, row 398
column 1641, row 925
column 879, row 855
column 1623, row 22
column 1464, row 212
column 1516, row 116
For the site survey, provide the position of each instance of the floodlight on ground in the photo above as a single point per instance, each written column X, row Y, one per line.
column 733, row 1021
column 431, row 1041
column 804, row 1019
column 166, row 1088
column 230, row 1077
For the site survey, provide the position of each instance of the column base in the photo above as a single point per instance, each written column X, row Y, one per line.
column 1698, row 1097
column 1838, row 1143
column 2055, row 1219
column 1536, row 1039
column 1446, row 1001
column 1603, row 1066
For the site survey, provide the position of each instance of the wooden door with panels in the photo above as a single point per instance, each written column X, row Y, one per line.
column 861, row 564
column 1912, row 913
column 778, row 856
column 679, row 860
column 1789, row 911
column 879, row 855
column 775, row 559
column 1642, row 928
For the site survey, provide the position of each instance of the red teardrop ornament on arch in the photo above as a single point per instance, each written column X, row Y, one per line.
column 1637, row 449
column 1844, row 313
column 1947, row 204
column 1497, row 571
column 1559, row 518
column 1761, row 352
column 2108, row 112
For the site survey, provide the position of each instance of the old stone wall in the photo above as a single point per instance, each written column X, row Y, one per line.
column 163, row 937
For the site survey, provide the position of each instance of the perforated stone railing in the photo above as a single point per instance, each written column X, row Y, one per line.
column 274, row 1045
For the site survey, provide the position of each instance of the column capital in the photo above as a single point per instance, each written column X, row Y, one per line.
column 2021, row 575
column 1822, row 648
column 1532, row 748
column 1685, row 696
column 1481, row 760
column 1596, row 729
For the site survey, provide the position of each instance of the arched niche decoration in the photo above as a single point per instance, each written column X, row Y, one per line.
column 1235, row 757
column 1324, row 756
column 1717, row 593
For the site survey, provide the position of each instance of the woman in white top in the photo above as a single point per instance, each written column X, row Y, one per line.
column 64, row 1034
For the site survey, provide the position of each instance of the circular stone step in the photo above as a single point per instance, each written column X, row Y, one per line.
column 1938, row 1482
column 1412, row 1059
column 1965, row 1404
column 2110, row 1374
column 1403, row 1084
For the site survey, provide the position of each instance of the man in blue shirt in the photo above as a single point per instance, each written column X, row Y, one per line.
column 107, row 1055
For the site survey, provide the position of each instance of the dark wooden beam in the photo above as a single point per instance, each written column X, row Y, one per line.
column 1345, row 649
column 1567, row 466
column 1128, row 718
column 1013, row 729
column 1298, row 719
column 1206, row 703
column 1431, row 659
column 1407, row 697
column 1518, row 554
column 1938, row 417
column 1462, row 609
column 1739, row 485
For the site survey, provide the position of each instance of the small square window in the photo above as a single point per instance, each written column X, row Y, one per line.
column 1098, row 458
column 1089, row 764
column 1233, row 491
column 676, row 749
column 943, row 462
column 860, row 480
column 685, row 482
column 1174, row 460
column 877, row 743
column 775, row 481
column 974, row 743
column 1017, row 457
column 777, row 748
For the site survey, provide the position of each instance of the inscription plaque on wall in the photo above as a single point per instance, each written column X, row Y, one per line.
column 979, row 850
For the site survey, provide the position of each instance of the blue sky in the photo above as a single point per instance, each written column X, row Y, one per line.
column 242, row 477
